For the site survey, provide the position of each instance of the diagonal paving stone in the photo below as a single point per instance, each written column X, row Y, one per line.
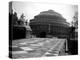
column 19, row 52
column 26, row 48
column 17, row 49
column 14, row 46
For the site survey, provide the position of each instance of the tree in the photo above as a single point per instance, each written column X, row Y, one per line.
column 75, row 20
column 22, row 19
column 26, row 22
column 15, row 18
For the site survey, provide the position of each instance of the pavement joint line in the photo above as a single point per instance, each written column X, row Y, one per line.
column 52, row 47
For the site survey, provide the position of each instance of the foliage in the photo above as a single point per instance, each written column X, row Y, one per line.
column 75, row 20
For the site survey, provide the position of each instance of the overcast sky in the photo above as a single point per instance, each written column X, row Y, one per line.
column 30, row 9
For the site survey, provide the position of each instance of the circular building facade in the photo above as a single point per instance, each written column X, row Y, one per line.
column 49, row 23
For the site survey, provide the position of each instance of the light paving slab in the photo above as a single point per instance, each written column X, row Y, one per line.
column 26, row 48
column 14, row 46
column 19, row 52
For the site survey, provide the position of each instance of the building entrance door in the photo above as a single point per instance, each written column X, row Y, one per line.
column 42, row 34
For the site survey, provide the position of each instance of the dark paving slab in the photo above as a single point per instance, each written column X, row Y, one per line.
column 17, row 49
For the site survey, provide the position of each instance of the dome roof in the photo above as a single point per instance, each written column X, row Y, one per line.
column 49, row 17
column 50, row 12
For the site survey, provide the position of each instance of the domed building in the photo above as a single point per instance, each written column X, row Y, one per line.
column 49, row 23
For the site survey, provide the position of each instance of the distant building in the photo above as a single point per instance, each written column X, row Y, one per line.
column 49, row 22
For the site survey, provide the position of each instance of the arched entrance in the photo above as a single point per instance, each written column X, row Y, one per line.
column 42, row 34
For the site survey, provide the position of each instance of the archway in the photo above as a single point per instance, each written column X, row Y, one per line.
column 42, row 34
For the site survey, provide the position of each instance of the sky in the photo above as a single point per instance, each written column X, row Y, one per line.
column 31, row 9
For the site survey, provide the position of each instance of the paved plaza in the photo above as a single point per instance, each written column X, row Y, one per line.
column 37, row 47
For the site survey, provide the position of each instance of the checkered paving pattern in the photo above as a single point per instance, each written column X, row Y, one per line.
column 36, row 47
